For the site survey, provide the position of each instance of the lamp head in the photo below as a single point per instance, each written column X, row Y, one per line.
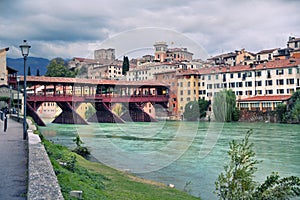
column 25, row 48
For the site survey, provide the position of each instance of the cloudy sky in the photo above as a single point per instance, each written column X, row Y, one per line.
column 74, row 28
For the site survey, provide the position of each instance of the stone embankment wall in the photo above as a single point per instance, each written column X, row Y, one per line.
column 258, row 116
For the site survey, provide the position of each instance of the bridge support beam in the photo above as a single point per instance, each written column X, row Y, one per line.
column 104, row 114
column 31, row 111
column 136, row 113
column 68, row 115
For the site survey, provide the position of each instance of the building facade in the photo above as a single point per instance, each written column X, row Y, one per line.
column 274, row 78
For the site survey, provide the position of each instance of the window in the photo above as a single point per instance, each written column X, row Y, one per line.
column 217, row 76
column 269, row 82
column 258, row 92
column 258, row 73
column 269, row 91
column 189, row 84
column 249, row 84
column 231, row 75
column 224, row 77
column 280, row 91
column 189, row 92
column 232, row 85
column 258, row 57
column 249, row 92
column 289, row 91
column 209, row 77
column 268, row 74
column 209, row 86
column 279, row 81
column 290, row 71
column 270, row 57
column 258, row 83
column 239, row 75
column 181, row 92
column 290, row 81
column 188, row 99
column 239, row 84
column 279, row 72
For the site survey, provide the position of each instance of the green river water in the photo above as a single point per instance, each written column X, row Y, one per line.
column 183, row 152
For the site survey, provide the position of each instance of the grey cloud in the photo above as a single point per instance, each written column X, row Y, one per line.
column 217, row 25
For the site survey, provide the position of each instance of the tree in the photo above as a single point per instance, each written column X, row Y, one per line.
column 28, row 71
column 38, row 72
column 237, row 180
column 290, row 113
column 125, row 66
column 224, row 106
column 203, row 105
column 281, row 112
column 58, row 68
column 295, row 112
column 191, row 111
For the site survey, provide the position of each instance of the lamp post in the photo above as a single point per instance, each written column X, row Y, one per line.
column 25, row 52
column 18, row 110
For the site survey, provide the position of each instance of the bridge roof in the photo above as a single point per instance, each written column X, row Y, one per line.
column 45, row 80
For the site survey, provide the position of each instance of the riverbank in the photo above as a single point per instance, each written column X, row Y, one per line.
column 98, row 181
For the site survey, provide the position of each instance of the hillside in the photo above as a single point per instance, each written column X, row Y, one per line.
column 34, row 63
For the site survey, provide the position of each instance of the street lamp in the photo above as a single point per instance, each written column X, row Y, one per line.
column 25, row 52
column 18, row 110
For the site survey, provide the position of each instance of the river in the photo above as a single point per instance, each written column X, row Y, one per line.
column 189, row 155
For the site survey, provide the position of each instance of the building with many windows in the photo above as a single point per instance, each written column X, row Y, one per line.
column 274, row 78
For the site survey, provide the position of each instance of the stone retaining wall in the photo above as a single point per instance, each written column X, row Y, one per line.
column 257, row 116
column 42, row 181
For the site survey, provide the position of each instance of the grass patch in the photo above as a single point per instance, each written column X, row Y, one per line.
column 98, row 181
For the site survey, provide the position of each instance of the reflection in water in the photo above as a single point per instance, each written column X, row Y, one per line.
column 169, row 151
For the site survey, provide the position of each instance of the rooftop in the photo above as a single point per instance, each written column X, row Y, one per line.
column 267, row 98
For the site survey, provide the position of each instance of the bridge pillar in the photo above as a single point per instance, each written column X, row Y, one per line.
column 31, row 111
column 68, row 115
column 104, row 114
column 137, row 114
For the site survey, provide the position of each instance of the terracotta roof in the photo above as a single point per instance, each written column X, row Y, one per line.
column 65, row 80
column 267, row 98
column 267, row 51
column 225, row 55
column 292, row 62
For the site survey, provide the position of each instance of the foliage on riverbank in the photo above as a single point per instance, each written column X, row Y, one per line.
column 290, row 112
column 237, row 180
column 98, row 181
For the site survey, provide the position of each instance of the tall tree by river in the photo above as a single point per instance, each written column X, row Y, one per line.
column 224, row 106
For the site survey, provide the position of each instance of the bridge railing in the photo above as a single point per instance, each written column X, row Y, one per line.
column 97, row 97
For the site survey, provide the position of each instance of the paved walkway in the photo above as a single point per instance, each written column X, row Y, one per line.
column 13, row 161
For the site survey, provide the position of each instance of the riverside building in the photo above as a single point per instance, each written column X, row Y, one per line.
column 270, row 83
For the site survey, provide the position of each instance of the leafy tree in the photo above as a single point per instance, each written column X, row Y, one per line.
column 237, row 180
column 281, row 112
column 195, row 110
column 81, row 150
column 58, row 68
column 224, row 106
column 291, row 111
column 295, row 112
column 203, row 105
column 28, row 71
column 38, row 72
column 191, row 111
column 125, row 66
